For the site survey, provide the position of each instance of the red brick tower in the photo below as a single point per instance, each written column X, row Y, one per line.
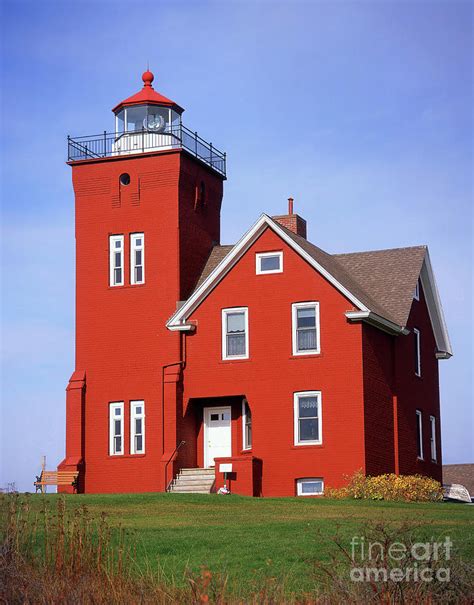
column 147, row 200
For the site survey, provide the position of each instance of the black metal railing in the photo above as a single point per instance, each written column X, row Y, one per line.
column 111, row 144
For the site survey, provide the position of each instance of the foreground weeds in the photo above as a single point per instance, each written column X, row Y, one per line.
column 56, row 557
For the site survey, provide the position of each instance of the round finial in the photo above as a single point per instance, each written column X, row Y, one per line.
column 148, row 77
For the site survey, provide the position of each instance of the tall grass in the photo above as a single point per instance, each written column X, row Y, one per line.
column 58, row 556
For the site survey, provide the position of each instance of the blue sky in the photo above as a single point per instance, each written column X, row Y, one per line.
column 360, row 110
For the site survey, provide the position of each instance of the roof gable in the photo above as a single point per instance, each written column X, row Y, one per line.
column 380, row 284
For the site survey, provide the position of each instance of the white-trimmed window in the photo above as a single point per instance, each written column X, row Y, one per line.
column 137, row 258
column 305, row 320
column 434, row 457
column 235, row 333
column 137, row 427
column 116, row 260
column 269, row 262
column 416, row 293
column 309, row 486
column 419, row 434
column 246, row 425
column 307, row 418
column 417, row 349
column 116, row 428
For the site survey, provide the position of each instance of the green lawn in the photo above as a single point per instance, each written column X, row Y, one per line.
column 255, row 538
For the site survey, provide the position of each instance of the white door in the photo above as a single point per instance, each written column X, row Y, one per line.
column 217, row 434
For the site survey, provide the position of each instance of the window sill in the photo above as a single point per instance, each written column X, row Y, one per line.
column 236, row 360
column 304, row 355
column 247, row 451
column 121, row 456
column 305, row 446
column 127, row 287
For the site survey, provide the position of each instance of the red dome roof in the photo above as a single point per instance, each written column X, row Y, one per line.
column 148, row 95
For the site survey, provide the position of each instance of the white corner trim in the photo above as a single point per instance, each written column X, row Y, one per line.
column 180, row 316
column 376, row 320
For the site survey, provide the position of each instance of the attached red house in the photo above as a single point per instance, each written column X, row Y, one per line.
column 284, row 366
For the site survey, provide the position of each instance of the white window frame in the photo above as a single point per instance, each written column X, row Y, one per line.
column 417, row 334
column 294, row 315
column 226, row 312
column 419, row 428
column 245, row 445
column 112, row 250
column 258, row 265
column 133, row 249
column 296, row 418
column 434, row 457
column 116, row 405
column 416, row 293
column 133, row 416
column 300, row 482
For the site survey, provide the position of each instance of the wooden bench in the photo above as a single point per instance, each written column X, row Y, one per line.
column 56, row 478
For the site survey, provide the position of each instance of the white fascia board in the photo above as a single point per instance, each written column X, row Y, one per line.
column 376, row 320
column 236, row 253
column 435, row 310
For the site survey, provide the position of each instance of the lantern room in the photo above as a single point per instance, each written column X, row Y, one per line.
column 146, row 120
column 147, row 110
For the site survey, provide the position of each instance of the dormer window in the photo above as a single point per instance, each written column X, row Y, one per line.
column 269, row 262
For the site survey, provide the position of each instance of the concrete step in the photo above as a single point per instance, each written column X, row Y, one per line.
column 192, row 476
column 194, row 479
column 190, row 489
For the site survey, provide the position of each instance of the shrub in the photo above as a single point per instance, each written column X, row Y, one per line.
column 408, row 488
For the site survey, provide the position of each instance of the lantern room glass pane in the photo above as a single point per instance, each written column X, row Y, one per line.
column 135, row 117
column 120, row 122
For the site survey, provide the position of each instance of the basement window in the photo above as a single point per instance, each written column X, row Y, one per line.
column 309, row 486
column 269, row 262
column 116, row 428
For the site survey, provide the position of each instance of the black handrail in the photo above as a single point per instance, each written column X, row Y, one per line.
column 181, row 443
column 115, row 144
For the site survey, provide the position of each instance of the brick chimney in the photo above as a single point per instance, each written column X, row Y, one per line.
column 293, row 222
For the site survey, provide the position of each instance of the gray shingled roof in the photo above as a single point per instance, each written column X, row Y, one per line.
column 383, row 280
column 389, row 276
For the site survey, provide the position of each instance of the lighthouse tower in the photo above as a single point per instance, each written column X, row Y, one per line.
column 147, row 200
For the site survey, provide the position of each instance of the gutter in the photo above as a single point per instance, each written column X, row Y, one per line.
column 378, row 321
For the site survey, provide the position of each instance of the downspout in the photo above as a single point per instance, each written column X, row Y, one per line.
column 395, row 408
column 181, row 363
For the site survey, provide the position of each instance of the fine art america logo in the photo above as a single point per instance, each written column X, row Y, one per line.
column 398, row 562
